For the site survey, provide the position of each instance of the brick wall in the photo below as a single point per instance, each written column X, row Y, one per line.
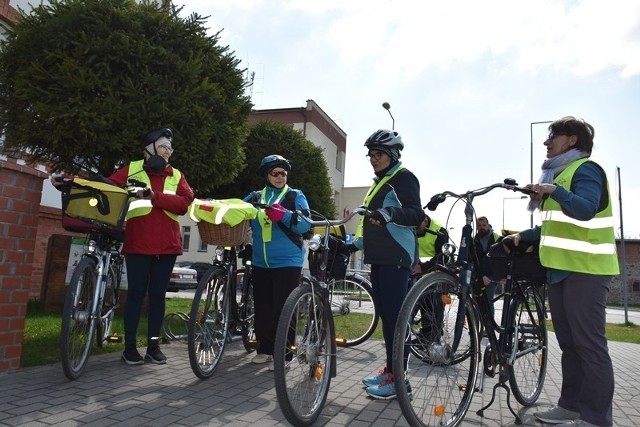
column 632, row 271
column 20, row 192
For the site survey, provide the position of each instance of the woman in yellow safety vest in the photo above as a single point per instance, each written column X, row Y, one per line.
column 577, row 245
column 388, row 239
column 152, row 239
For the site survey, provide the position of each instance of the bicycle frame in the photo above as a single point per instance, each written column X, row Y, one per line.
column 503, row 347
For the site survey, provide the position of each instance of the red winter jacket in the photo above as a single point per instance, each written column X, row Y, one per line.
column 156, row 233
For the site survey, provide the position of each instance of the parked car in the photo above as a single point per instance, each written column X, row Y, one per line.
column 199, row 267
column 182, row 278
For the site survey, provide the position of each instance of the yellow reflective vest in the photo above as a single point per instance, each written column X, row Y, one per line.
column 579, row 246
column 228, row 211
column 427, row 243
column 140, row 207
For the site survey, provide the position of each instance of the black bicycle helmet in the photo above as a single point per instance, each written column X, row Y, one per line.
column 153, row 136
column 273, row 161
column 384, row 138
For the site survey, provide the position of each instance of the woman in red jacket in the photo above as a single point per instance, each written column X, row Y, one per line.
column 152, row 239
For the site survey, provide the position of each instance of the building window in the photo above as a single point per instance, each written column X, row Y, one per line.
column 339, row 160
column 186, row 238
column 203, row 246
column 636, row 287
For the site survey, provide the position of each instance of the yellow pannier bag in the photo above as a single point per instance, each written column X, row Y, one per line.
column 93, row 207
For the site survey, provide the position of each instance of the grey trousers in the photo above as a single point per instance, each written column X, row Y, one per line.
column 578, row 312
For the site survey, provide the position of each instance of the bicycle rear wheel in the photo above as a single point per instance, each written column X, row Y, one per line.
column 208, row 324
column 247, row 311
column 78, row 319
column 304, row 356
column 527, row 374
column 354, row 312
column 441, row 381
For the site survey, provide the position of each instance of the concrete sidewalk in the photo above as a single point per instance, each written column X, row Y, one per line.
column 243, row 394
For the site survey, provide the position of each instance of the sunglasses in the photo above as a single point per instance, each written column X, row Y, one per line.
column 276, row 174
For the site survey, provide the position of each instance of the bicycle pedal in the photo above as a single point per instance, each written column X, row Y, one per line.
column 113, row 339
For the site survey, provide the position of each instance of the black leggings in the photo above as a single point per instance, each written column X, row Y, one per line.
column 271, row 287
column 146, row 274
column 390, row 286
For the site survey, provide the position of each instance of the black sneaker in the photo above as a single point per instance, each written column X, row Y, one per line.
column 154, row 354
column 130, row 356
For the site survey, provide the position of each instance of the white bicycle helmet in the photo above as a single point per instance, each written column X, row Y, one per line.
column 387, row 141
column 384, row 138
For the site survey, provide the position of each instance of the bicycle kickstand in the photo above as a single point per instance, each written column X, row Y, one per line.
column 501, row 383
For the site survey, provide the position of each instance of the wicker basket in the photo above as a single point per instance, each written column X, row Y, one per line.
column 223, row 234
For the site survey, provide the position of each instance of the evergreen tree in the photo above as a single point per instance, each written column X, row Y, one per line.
column 82, row 80
column 309, row 170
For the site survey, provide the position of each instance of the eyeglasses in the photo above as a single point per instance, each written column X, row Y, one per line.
column 276, row 174
column 375, row 155
column 555, row 135
column 166, row 148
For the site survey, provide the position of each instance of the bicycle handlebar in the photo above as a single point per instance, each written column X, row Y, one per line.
column 508, row 184
column 132, row 185
column 324, row 222
column 334, row 222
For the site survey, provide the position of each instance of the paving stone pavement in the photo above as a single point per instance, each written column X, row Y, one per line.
column 243, row 394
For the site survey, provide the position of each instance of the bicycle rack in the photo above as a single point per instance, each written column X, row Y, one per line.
column 173, row 321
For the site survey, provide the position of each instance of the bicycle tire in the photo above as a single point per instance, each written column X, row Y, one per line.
column 304, row 355
column 355, row 314
column 529, row 368
column 440, row 384
column 247, row 312
column 107, row 309
column 78, row 319
column 208, row 324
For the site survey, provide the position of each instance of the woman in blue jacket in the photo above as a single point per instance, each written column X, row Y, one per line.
column 278, row 253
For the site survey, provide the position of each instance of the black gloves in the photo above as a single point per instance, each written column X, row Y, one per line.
column 382, row 215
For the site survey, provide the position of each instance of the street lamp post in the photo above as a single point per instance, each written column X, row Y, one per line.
column 531, row 155
column 387, row 107
column 509, row 198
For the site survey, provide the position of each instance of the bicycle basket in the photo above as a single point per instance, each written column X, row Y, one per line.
column 223, row 234
column 526, row 265
column 94, row 207
column 337, row 262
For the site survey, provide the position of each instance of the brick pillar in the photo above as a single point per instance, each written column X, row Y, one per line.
column 20, row 194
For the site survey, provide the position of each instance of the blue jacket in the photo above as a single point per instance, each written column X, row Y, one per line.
column 281, row 250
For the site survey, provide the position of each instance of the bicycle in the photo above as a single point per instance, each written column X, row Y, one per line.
column 442, row 366
column 355, row 314
column 99, row 209
column 305, row 345
column 217, row 316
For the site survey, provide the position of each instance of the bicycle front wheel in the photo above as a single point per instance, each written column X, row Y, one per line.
column 303, row 357
column 78, row 319
column 439, row 380
column 529, row 341
column 354, row 312
column 208, row 324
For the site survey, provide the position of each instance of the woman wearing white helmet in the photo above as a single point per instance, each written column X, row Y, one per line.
column 389, row 241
